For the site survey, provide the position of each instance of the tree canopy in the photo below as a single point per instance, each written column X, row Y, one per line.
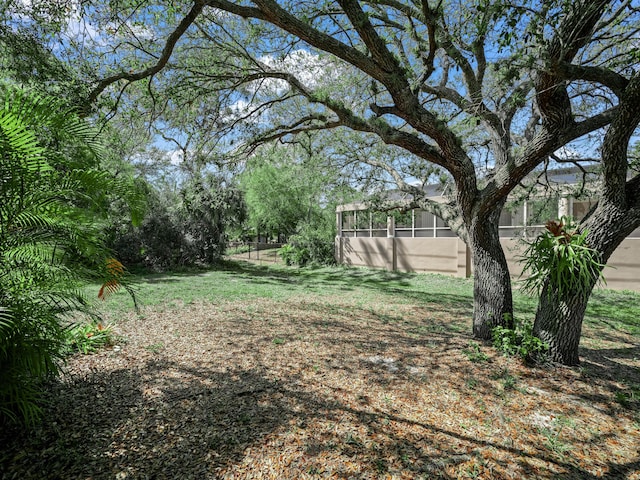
column 486, row 91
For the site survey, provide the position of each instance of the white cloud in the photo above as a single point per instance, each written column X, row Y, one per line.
column 566, row 153
column 309, row 68
column 242, row 109
column 176, row 157
column 77, row 28
column 312, row 70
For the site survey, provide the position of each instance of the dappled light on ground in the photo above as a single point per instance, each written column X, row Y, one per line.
column 317, row 386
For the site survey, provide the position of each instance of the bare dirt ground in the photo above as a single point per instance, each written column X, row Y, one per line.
column 308, row 388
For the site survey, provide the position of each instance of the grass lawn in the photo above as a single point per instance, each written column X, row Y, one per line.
column 264, row 371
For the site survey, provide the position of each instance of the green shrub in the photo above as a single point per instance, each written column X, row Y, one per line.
column 182, row 228
column 312, row 244
column 238, row 250
column 287, row 253
column 474, row 353
column 294, row 255
column 519, row 341
column 157, row 243
column 88, row 337
column 31, row 347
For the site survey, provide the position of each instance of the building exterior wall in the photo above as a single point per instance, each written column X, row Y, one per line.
column 623, row 268
column 513, row 248
column 621, row 273
column 367, row 252
column 437, row 255
column 450, row 256
column 418, row 241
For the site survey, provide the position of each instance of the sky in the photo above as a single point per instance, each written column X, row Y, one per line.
column 312, row 69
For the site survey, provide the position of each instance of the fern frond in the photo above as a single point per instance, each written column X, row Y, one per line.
column 6, row 319
column 53, row 199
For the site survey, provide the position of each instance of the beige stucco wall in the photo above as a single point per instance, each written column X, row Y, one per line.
column 367, row 252
column 437, row 255
column 512, row 250
column 450, row 256
column 623, row 268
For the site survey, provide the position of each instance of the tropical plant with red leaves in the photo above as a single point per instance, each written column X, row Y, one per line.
column 561, row 256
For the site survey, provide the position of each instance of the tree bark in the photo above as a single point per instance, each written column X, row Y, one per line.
column 493, row 303
column 559, row 319
column 558, row 323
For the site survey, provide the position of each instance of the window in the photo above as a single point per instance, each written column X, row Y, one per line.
column 442, row 229
column 348, row 221
column 404, row 223
column 379, row 220
column 512, row 216
column 540, row 211
column 580, row 208
column 413, row 223
column 363, row 219
column 423, row 219
column 379, row 224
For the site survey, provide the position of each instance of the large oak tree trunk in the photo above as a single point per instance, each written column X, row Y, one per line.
column 558, row 323
column 492, row 299
column 559, row 318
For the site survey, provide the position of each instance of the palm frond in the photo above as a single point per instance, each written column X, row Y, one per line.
column 6, row 319
column 52, row 196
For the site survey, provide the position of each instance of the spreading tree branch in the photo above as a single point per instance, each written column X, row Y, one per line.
column 170, row 44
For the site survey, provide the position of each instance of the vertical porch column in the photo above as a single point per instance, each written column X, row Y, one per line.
column 337, row 245
column 464, row 260
column 391, row 243
column 564, row 209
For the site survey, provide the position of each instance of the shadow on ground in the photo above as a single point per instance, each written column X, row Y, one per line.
column 162, row 418
column 105, row 425
column 393, row 283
